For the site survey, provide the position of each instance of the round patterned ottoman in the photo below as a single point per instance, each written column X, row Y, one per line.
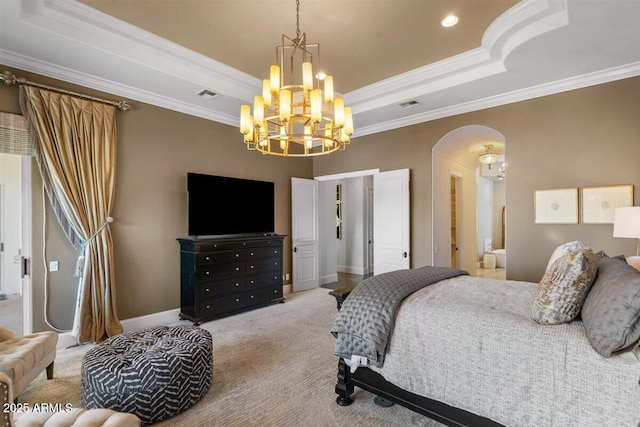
column 154, row 373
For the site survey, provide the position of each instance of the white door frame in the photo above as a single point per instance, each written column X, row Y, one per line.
column 347, row 175
column 27, row 231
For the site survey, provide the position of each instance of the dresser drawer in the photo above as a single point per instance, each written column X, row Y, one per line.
column 272, row 292
column 229, row 303
column 222, row 257
column 261, row 253
column 218, row 271
column 221, row 246
column 215, row 306
column 220, row 287
column 263, row 280
column 262, row 265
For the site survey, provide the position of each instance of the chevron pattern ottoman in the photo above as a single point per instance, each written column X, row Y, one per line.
column 154, row 373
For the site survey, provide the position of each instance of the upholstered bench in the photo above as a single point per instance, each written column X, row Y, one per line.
column 154, row 373
column 22, row 359
column 74, row 417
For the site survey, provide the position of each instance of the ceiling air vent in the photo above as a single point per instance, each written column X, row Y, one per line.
column 207, row 94
column 409, row 104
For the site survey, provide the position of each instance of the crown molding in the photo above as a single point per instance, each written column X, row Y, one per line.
column 519, row 24
column 152, row 55
column 93, row 28
column 579, row 82
column 57, row 72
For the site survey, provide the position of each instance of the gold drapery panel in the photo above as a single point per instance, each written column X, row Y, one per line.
column 75, row 148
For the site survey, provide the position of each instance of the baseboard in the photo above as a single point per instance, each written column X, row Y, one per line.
column 329, row 278
column 150, row 320
column 66, row 340
column 352, row 270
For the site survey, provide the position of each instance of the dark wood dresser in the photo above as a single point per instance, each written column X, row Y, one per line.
column 222, row 276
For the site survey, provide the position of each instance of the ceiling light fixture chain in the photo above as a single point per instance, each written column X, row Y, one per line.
column 298, row 114
column 297, row 20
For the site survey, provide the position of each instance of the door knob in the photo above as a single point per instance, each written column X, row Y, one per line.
column 404, row 254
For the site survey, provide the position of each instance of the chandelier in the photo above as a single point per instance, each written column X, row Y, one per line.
column 490, row 156
column 294, row 116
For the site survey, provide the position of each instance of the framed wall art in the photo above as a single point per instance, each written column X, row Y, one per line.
column 558, row 206
column 599, row 203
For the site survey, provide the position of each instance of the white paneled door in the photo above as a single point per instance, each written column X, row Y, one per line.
column 391, row 221
column 304, row 225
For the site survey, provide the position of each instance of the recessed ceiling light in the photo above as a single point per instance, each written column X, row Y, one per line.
column 449, row 21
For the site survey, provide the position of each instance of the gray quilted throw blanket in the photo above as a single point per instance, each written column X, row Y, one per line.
column 365, row 320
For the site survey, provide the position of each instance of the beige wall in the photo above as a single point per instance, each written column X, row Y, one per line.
column 156, row 148
column 582, row 138
column 587, row 137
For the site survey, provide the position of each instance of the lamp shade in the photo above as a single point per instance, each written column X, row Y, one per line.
column 626, row 222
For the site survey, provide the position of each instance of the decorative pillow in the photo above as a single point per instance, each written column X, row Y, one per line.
column 564, row 287
column 564, row 249
column 611, row 312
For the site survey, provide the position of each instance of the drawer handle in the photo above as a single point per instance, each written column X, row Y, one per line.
column 237, row 284
column 237, row 299
column 207, row 273
column 275, row 277
column 237, row 268
column 251, row 253
column 237, row 255
column 275, row 252
column 251, row 266
column 207, row 258
column 251, row 296
column 252, row 282
column 206, row 290
column 275, row 291
column 208, row 307
column 275, row 263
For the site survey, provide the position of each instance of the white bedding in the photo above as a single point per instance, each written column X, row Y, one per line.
column 471, row 343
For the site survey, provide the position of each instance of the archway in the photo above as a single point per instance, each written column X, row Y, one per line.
column 466, row 211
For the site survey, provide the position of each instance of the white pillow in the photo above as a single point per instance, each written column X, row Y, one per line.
column 565, row 249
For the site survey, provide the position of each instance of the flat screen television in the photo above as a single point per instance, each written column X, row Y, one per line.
column 219, row 205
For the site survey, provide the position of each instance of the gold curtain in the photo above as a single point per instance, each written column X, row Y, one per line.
column 75, row 144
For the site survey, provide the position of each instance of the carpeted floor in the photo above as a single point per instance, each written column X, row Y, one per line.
column 272, row 367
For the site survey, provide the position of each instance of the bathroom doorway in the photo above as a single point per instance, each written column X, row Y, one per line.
column 481, row 194
column 456, row 213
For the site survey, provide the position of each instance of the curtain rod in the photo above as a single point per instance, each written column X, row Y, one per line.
column 9, row 79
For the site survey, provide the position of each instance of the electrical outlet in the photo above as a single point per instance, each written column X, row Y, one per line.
column 287, row 276
column 53, row 266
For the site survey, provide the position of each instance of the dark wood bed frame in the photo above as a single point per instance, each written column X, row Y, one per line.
column 375, row 383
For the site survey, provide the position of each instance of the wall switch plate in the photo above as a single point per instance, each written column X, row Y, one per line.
column 53, row 266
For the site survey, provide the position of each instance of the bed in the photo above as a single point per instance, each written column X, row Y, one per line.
column 466, row 351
